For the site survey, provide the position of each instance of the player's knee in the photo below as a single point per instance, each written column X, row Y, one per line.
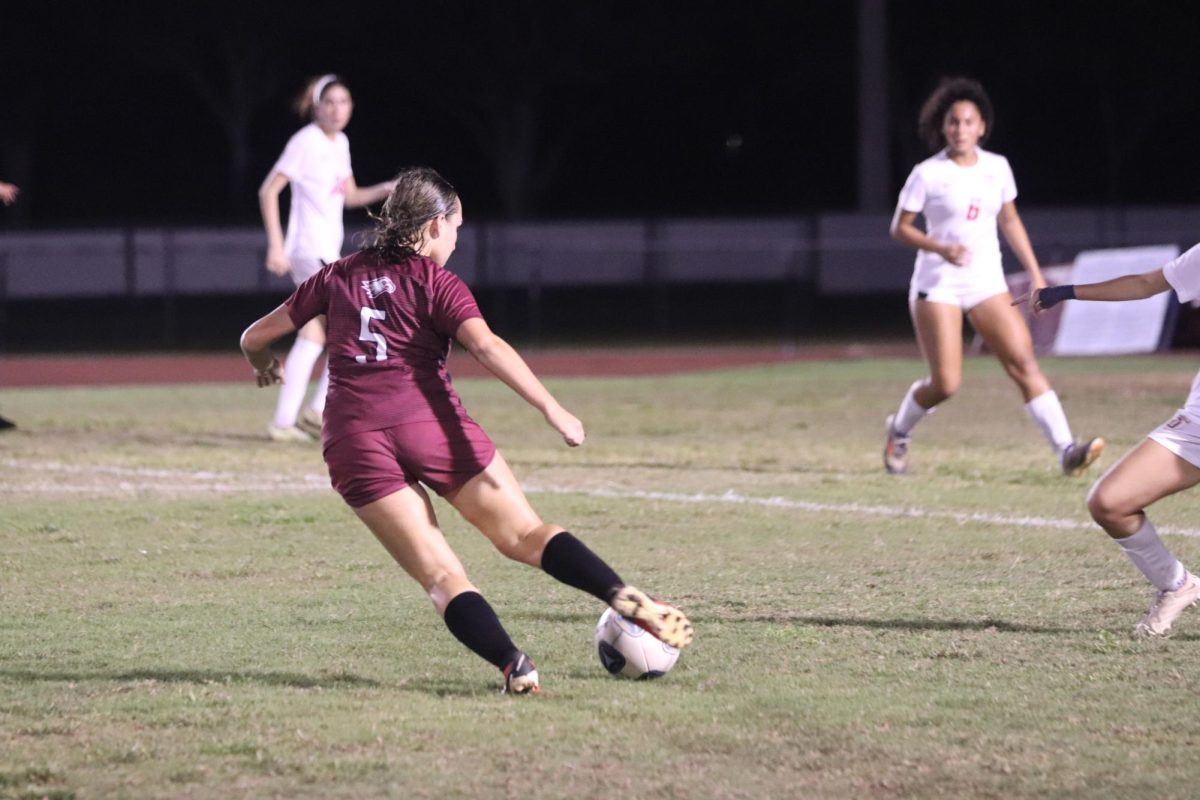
column 1105, row 505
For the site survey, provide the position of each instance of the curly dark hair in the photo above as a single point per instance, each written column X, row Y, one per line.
column 948, row 92
column 420, row 195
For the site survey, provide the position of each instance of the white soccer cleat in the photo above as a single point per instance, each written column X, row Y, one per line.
column 1167, row 607
column 895, row 449
column 664, row 621
column 310, row 422
column 292, row 434
column 1078, row 456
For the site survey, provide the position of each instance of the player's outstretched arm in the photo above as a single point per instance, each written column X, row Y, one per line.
column 1126, row 287
column 256, row 345
column 358, row 196
column 505, row 363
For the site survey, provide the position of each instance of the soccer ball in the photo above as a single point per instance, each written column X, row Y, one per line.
column 626, row 648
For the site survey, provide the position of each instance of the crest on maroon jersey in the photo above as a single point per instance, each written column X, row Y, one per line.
column 377, row 286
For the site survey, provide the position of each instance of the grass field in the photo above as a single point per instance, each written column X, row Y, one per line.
column 187, row 611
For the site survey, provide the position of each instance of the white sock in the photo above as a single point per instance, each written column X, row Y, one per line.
column 317, row 403
column 911, row 412
column 297, row 371
column 1048, row 413
column 1153, row 559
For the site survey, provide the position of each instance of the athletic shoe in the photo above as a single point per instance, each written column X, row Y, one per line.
column 7, row 424
column 292, row 434
column 664, row 621
column 310, row 422
column 521, row 677
column 1167, row 607
column 1078, row 456
column 895, row 449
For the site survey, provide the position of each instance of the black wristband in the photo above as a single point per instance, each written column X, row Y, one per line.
column 1053, row 295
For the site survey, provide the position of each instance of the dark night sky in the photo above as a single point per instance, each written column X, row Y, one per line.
column 581, row 109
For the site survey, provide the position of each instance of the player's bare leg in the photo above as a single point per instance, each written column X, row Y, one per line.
column 405, row 524
column 939, row 334
column 494, row 502
column 1118, row 501
column 1006, row 334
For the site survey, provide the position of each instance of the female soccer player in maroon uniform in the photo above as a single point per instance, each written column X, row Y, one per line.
column 393, row 422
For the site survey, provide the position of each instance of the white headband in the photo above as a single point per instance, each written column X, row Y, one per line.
column 320, row 85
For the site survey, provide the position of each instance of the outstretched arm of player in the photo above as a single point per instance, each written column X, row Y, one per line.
column 905, row 231
column 268, row 206
column 1126, row 287
column 366, row 195
column 257, row 341
column 505, row 363
column 1010, row 224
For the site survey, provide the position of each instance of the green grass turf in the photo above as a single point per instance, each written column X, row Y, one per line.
column 187, row 611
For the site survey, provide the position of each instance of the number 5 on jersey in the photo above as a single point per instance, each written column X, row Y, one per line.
column 365, row 334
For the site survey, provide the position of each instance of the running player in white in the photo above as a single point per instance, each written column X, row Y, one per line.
column 965, row 193
column 316, row 165
column 1166, row 462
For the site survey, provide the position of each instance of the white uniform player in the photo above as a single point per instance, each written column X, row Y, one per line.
column 1181, row 433
column 1167, row 462
column 317, row 168
column 967, row 195
column 960, row 205
column 316, row 165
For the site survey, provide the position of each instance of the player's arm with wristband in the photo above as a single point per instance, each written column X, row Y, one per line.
column 1126, row 287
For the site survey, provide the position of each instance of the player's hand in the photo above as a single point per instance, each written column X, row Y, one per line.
column 277, row 262
column 567, row 424
column 1046, row 297
column 8, row 193
column 957, row 254
column 269, row 376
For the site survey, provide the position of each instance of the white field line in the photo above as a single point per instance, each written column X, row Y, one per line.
column 914, row 512
column 203, row 481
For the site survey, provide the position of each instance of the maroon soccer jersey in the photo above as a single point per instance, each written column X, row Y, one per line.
column 390, row 327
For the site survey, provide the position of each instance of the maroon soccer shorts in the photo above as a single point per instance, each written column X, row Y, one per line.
column 443, row 455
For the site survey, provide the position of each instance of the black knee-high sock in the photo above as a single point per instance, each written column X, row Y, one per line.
column 473, row 622
column 570, row 561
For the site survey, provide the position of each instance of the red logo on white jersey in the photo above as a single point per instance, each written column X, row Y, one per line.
column 973, row 208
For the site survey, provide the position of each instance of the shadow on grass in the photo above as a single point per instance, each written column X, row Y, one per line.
column 293, row 679
column 828, row 622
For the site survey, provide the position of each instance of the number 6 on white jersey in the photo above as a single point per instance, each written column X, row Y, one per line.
column 365, row 334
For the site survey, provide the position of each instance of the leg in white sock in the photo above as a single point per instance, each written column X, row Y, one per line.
column 911, row 412
column 1153, row 559
column 1047, row 412
column 317, row 404
column 297, row 371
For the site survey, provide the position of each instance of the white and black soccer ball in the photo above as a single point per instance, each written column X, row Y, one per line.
column 627, row 649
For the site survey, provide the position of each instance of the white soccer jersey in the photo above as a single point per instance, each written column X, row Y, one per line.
column 1184, row 276
column 317, row 168
column 960, row 205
